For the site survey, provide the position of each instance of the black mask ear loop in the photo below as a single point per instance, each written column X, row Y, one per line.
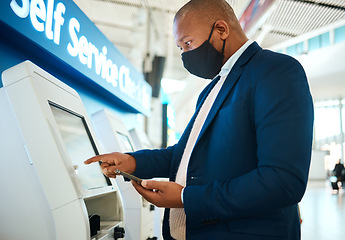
column 223, row 46
column 209, row 38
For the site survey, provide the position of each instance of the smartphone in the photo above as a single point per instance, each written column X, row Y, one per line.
column 130, row 176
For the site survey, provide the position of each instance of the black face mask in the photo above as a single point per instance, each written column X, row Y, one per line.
column 204, row 61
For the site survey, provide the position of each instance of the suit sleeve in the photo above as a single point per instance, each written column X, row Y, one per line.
column 283, row 118
column 153, row 163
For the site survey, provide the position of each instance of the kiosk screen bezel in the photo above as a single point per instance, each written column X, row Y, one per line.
column 88, row 132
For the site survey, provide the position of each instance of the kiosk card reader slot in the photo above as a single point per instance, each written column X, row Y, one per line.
column 45, row 136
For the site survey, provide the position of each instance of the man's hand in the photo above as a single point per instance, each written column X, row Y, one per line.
column 161, row 193
column 113, row 161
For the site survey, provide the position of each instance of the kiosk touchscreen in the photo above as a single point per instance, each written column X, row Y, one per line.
column 138, row 213
column 45, row 136
column 80, row 146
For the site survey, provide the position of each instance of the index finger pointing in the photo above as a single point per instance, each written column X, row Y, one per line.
column 105, row 158
column 93, row 159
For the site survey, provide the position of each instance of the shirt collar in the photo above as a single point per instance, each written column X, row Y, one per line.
column 232, row 60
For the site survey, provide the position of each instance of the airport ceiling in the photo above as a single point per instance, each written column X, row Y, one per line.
column 138, row 27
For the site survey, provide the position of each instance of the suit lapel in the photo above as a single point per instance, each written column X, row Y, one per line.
column 228, row 84
column 184, row 138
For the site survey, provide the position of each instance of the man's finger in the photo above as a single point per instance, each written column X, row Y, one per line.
column 110, row 170
column 104, row 165
column 149, row 195
column 106, row 158
column 111, row 175
column 93, row 159
column 151, row 184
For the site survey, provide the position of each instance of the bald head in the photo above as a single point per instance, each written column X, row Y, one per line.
column 207, row 11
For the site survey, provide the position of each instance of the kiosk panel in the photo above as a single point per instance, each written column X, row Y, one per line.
column 138, row 213
column 126, row 144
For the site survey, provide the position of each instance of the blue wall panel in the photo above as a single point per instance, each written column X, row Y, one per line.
column 57, row 36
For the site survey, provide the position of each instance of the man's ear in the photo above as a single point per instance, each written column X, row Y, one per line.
column 222, row 29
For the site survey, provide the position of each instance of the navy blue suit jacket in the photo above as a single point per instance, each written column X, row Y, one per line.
column 249, row 166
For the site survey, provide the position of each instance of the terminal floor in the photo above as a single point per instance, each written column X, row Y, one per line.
column 323, row 212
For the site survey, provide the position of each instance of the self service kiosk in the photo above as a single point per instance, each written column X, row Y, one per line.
column 140, row 139
column 138, row 213
column 46, row 190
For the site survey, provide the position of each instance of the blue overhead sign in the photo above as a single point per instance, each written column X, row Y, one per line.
column 62, row 29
